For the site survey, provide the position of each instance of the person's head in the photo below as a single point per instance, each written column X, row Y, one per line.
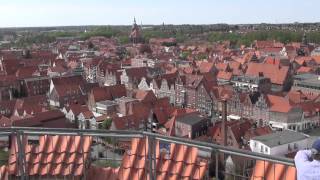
column 316, row 150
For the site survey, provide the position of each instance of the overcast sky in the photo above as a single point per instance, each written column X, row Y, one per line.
column 17, row 13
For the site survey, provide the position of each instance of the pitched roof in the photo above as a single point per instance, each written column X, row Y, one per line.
column 222, row 66
column 49, row 119
column 272, row 60
column 108, row 92
column 304, row 69
column 270, row 171
column 276, row 74
column 193, row 81
column 137, row 73
column 126, row 122
column 145, row 96
column 181, row 162
column 5, row 122
column 206, row 67
column 52, row 156
column 278, row 103
column 224, row 75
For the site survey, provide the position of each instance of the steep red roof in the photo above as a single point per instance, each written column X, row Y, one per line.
column 270, row 171
column 224, row 75
column 26, row 72
column 5, row 122
column 278, row 104
column 145, row 96
column 222, row 66
column 181, row 162
column 276, row 74
column 49, row 119
column 52, row 156
column 272, row 60
column 206, row 67
column 108, row 92
column 304, row 69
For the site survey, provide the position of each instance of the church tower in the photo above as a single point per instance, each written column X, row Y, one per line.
column 135, row 35
column 304, row 39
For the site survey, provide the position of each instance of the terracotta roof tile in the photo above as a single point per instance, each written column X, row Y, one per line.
column 206, row 67
column 276, row 74
column 108, row 92
column 278, row 103
column 48, row 158
column 270, row 171
column 181, row 163
column 224, row 75
column 304, row 69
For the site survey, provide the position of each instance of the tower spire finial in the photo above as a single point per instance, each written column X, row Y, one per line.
column 134, row 20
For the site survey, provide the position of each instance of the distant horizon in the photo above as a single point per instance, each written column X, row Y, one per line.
column 58, row 13
column 53, row 26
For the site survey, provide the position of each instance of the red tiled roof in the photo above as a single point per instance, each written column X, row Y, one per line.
column 206, row 67
column 53, row 156
column 145, row 96
column 224, row 75
column 278, row 103
column 317, row 59
column 264, row 44
column 304, row 69
column 108, row 92
column 276, row 74
column 49, row 119
column 181, row 163
column 269, row 171
column 126, row 122
column 25, row 72
column 272, row 60
column 5, row 122
column 77, row 108
column 222, row 66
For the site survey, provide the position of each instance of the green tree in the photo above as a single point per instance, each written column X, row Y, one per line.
column 106, row 124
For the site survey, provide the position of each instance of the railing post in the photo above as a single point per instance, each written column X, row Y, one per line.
column 217, row 164
column 21, row 155
column 151, row 157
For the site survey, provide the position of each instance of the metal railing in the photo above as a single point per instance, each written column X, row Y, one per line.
column 213, row 149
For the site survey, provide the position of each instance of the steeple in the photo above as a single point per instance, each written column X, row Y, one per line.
column 135, row 35
column 304, row 38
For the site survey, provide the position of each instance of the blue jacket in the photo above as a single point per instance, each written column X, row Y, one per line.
column 307, row 169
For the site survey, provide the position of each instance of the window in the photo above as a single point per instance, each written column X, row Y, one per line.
column 261, row 149
column 266, row 149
